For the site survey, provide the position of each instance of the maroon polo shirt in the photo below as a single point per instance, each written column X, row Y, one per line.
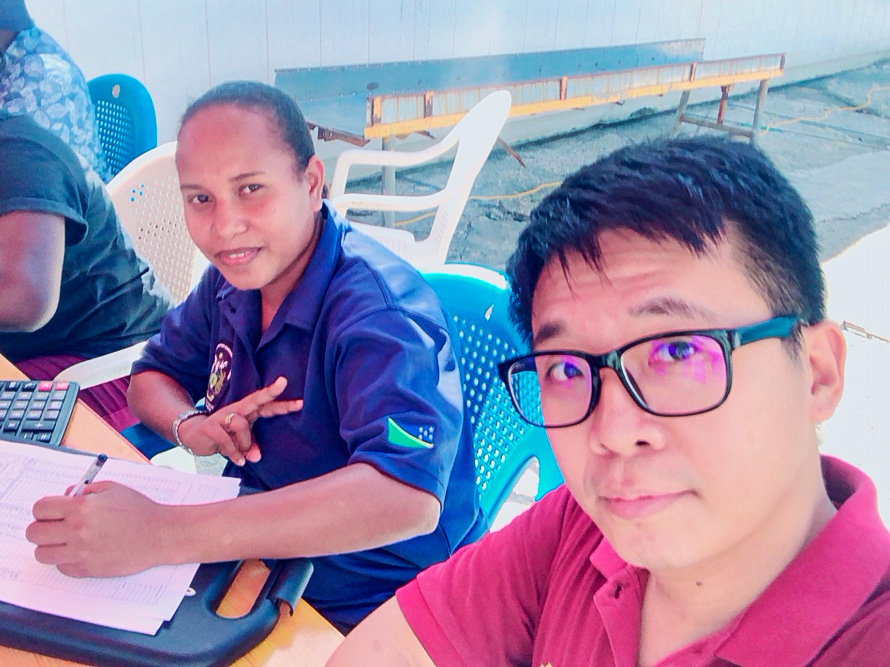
column 549, row 589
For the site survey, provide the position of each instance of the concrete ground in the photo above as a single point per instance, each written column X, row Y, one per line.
column 830, row 136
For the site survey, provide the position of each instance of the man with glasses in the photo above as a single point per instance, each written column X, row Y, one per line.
column 681, row 362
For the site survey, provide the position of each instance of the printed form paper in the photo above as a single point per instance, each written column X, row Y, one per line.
column 139, row 602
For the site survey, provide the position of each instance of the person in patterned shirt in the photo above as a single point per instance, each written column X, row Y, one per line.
column 39, row 79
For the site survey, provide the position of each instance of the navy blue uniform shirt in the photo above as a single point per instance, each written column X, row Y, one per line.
column 362, row 339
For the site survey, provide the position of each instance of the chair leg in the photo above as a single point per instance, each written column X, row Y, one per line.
column 389, row 184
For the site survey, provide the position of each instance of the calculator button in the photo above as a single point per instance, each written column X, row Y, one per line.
column 36, row 410
column 38, row 425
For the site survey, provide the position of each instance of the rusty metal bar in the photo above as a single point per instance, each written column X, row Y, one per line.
column 428, row 104
column 376, row 104
column 721, row 107
column 329, row 134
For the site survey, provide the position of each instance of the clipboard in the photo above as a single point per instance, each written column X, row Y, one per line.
column 195, row 636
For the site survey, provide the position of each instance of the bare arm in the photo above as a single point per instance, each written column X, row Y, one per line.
column 32, row 247
column 157, row 399
column 350, row 509
column 383, row 638
column 113, row 530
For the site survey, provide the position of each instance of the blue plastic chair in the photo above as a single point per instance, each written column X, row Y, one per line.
column 126, row 118
column 477, row 299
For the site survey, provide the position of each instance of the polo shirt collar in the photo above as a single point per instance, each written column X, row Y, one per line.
column 811, row 600
column 301, row 308
column 806, row 605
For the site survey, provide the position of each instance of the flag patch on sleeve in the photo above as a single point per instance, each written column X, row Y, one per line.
column 415, row 437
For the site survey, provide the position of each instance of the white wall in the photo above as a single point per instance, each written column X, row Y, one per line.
column 179, row 48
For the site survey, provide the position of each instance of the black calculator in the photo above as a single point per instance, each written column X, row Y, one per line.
column 36, row 410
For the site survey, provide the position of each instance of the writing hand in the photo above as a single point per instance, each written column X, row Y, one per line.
column 110, row 530
column 228, row 430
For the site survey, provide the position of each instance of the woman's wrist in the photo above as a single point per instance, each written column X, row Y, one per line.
column 180, row 427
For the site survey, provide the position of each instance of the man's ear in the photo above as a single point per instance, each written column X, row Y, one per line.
column 826, row 351
column 314, row 176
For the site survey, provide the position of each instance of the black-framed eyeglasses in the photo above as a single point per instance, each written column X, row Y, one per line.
column 674, row 374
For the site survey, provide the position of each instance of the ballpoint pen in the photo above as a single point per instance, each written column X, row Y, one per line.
column 88, row 476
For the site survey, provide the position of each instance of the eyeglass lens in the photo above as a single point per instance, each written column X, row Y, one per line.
column 674, row 375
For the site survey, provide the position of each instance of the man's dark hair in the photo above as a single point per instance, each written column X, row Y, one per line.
column 696, row 191
column 279, row 107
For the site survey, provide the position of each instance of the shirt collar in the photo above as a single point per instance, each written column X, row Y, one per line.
column 824, row 585
column 313, row 284
column 606, row 560
column 816, row 594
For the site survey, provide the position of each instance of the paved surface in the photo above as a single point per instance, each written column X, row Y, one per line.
column 830, row 136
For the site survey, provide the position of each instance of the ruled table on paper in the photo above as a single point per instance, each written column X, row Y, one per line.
column 139, row 602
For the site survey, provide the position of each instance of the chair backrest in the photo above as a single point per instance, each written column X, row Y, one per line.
column 126, row 117
column 477, row 300
column 474, row 135
column 148, row 202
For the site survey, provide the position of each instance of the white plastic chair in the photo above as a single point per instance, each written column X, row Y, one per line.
column 148, row 203
column 474, row 137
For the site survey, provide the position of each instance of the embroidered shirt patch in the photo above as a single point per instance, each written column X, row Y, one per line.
column 415, row 437
column 220, row 373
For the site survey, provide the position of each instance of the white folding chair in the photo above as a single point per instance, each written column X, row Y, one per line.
column 474, row 137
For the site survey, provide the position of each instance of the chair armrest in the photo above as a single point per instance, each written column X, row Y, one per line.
column 176, row 458
column 401, row 203
column 102, row 369
column 381, row 158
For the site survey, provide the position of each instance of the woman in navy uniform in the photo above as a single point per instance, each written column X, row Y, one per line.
column 328, row 375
